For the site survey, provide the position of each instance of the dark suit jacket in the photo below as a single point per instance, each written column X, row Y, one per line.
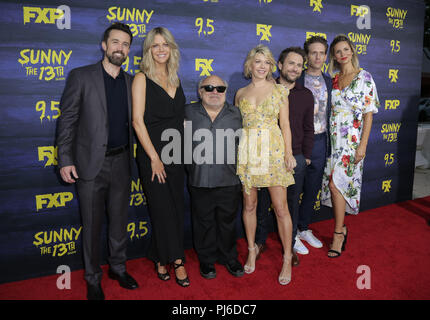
column 329, row 85
column 83, row 128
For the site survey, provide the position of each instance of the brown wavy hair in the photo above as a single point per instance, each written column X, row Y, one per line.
column 333, row 64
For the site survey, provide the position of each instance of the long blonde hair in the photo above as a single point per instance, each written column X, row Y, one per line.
column 264, row 50
column 147, row 65
column 333, row 64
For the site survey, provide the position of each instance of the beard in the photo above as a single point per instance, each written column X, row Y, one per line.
column 115, row 59
column 287, row 78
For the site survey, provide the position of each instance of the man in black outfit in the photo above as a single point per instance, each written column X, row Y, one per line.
column 94, row 137
column 214, row 186
column 301, row 101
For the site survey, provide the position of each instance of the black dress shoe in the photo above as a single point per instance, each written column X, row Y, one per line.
column 207, row 270
column 235, row 268
column 95, row 292
column 125, row 280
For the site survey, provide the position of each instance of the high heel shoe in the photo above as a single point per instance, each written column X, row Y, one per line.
column 182, row 282
column 249, row 269
column 285, row 280
column 346, row 237
column 162, row 276
column 338, row 254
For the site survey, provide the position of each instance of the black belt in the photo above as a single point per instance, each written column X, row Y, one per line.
column 115, row 151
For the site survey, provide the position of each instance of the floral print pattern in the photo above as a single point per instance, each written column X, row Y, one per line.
column 346, row 125
column 261, row 147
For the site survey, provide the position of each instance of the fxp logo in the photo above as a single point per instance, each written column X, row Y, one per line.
column 363, row 14
column 60, row 16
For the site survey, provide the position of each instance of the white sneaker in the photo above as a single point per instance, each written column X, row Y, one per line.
column 299, row 247
column 310, row 238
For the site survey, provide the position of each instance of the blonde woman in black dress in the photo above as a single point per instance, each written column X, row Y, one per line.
column 158, row 105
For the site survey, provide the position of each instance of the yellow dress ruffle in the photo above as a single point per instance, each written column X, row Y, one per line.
column 261, row 148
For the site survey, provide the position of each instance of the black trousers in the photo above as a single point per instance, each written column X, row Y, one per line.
column 263, row 215
column 294, row 191
column 213, row 212
column 293, row 197
column 107, row 193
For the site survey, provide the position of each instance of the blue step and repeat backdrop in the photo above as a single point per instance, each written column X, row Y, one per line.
column 41, row 41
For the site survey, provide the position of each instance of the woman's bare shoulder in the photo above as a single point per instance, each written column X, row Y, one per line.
column 139, row 77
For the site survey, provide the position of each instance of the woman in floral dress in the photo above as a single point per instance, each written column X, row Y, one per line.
column 265, row 157
column 354, row 100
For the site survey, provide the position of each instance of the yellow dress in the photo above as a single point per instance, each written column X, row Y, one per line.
column 261, row 148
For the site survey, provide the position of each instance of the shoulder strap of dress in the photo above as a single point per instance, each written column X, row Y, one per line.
column 282, row 89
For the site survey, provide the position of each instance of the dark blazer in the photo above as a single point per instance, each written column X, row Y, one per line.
column 83, row 128
column 329, row 85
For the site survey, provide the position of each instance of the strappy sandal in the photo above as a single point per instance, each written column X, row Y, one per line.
column 285, row 280
column 346, row 237
column 338, row 254
column 249, row 269
column 162, row 276
column 182, row 282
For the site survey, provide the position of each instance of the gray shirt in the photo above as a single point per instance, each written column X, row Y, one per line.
column 319, row 89
column 211, row 147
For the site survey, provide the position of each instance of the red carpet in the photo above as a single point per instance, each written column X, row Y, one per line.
column 393, row 241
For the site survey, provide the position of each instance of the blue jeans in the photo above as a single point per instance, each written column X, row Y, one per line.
column 313, row 180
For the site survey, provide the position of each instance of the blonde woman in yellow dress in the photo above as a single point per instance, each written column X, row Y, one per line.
column 265, row 157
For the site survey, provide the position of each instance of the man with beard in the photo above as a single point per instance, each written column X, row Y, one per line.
column 93, row 138
column 301, row 106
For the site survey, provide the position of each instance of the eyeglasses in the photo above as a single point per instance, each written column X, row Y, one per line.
column 210, row 88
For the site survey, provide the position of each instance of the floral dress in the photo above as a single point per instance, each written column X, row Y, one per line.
column 261, row 148
column 346, row 125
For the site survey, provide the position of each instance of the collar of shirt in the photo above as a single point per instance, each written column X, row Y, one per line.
column 224, row 109
column 297, row 85
column 108, row 76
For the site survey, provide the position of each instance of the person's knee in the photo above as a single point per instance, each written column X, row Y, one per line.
column 281, row 210
column 250, row 207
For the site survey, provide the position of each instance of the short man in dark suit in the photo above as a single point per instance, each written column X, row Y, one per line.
column 214, row 187
column 93, row 138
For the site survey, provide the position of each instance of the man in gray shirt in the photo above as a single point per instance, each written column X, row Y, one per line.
column 320, row 84
column 215, row 189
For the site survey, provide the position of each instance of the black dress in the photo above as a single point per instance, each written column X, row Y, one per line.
column 165, row 201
